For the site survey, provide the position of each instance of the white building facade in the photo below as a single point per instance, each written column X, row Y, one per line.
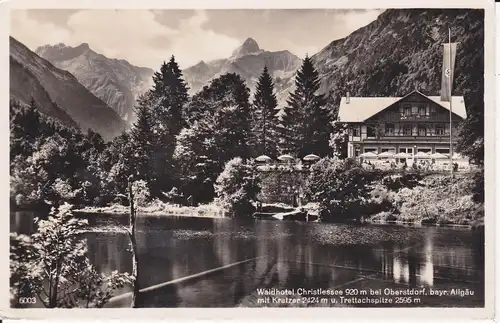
column 410, row 124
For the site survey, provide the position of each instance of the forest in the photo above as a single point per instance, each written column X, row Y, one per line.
column 179, row 146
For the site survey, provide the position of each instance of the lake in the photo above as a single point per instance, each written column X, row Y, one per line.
column 287, row 261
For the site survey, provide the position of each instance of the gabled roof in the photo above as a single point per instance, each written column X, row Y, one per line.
column 360, row 109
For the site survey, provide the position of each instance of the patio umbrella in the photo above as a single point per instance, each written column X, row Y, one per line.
column 439, row 156
column 285, row 157
column 311, row 157
column 369, row 155
column 386, row 154
column 263, row 158
column 457, row 156
column 402, row 155
column 422, row 155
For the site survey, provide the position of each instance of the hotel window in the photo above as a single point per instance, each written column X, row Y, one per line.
column 406, row 150
column 389, row 129
column 422, row 130
column 414, row 110
column 406, row 110
column 443, row 150
column 433, row 111
column 355, row 131
column 370, row 131
column 391, row 150
column 370, row 150
column 421, row 111
column 407, row 129
column 440, row 129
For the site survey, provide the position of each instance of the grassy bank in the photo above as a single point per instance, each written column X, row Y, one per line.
column 428, row 199
column 431, row 199
column 158, row 208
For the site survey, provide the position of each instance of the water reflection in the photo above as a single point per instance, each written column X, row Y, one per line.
column 427, row 274
column 411, row 266
column 289, row 255
column 433, row 260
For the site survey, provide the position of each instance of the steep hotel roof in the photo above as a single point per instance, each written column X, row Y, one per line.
column 361, row 108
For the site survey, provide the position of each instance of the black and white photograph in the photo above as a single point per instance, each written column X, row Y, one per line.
column 248, row 158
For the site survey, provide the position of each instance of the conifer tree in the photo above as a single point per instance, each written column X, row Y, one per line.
column 170, row 94
column 232, row 93
column 143, row 143
column 167, row 100
column 287, row 130
column 264, row 106
column 308, row 121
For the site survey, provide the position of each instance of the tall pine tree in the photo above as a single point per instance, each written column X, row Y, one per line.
column 170, row 93
column 143, row 144
column 288, row 130
column 264, row 106
column 167, row 100
column 306, row 122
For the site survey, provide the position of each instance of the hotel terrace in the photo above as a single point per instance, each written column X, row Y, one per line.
column 411, row 126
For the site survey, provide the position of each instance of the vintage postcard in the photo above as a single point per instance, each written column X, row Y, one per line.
column 259, row 160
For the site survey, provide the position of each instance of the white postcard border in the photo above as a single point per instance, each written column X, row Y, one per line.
column 261, row 313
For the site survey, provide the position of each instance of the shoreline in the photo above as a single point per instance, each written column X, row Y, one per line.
column 419, row 224
column 201, row 211
column 216, row 212
column 473, row 224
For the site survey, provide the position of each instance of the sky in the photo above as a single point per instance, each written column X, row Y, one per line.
column 148, row 37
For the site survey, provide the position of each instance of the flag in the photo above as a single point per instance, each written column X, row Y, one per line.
column 447, row 76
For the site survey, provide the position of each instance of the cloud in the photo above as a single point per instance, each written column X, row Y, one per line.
column 355, row 19
column 124, row 34
column 148, row 37
column 134, row 35
column 342, row 24
column 34, row 33
column 193, row 39
column 300, row 31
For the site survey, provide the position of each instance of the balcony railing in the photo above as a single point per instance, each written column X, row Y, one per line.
column 445, row 137
column 416, row 117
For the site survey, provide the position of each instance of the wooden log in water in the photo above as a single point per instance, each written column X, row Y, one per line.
column 263, row 215
column 276, row 208
column 296, row 215
column 120, row 299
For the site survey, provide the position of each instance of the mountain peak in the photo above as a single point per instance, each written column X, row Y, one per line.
column 248, row 47
column 61, row 51
column 83, row 47
column 250, row 43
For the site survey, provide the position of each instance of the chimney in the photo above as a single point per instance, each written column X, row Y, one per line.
column 347, row 98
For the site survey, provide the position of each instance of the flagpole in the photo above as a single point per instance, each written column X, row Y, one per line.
column 451, row 84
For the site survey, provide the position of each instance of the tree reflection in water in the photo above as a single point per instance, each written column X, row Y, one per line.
column 291, row 255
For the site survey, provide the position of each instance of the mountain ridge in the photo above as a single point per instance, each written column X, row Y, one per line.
column 116, row 81
column 58, row 93
column 396, row 53
column 247, row 60
column 405, row 47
